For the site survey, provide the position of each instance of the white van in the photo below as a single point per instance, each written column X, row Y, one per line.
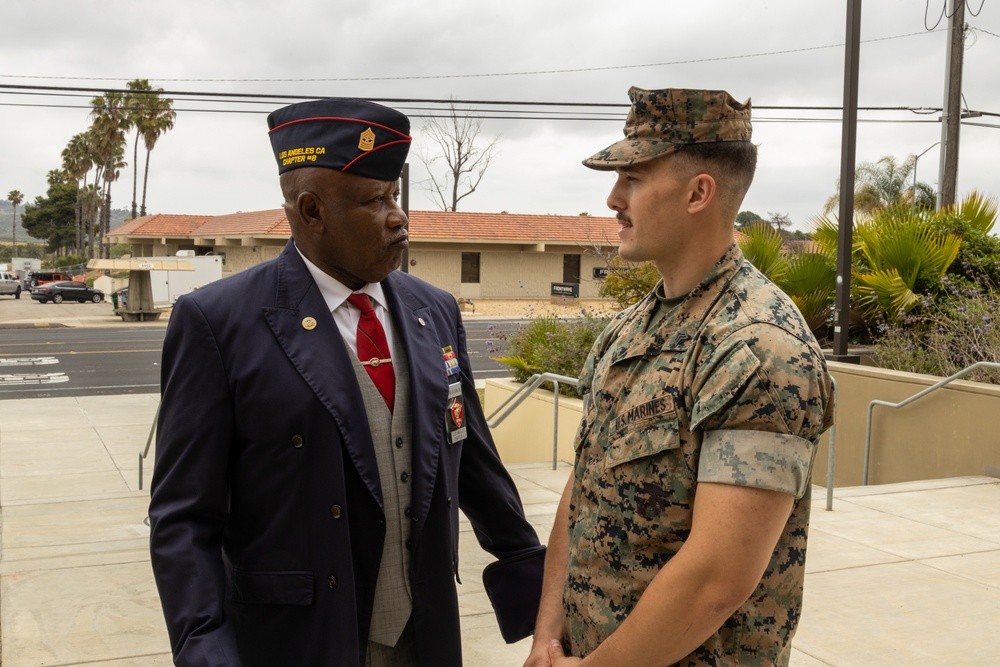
column 10, row 284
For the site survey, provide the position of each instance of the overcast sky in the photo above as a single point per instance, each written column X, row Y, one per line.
column 218, row 160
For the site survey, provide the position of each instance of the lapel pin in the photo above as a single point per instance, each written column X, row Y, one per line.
column 309, row 324
column 420, row 320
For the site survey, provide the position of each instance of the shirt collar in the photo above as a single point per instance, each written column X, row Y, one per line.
column 335, row 293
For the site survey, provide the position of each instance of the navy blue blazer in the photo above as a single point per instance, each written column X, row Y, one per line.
column 267, row 524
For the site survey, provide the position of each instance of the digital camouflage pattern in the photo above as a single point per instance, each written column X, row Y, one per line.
column 660, row 122
column 729, row 388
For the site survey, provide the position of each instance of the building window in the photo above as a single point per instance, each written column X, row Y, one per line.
column 571, row 268
column 470, row 267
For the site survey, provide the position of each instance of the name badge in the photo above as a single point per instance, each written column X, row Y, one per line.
column 454, row 390
column 455, row 420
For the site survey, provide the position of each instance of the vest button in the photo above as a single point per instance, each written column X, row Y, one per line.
column 331, row 581
column 297, row 441
column 409, row 543
column 399, row 443
column 408, row 512
column 404, row 477
column 336, row 511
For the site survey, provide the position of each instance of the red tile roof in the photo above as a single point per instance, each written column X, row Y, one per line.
column 162, row 225
column 436, row 225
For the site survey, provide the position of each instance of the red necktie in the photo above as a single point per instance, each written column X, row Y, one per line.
column 373, row 349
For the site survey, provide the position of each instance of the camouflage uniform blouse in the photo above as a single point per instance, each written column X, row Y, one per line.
column 731, row 388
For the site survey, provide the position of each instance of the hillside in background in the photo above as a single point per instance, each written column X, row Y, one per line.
column 118, row 216
column 7, row 220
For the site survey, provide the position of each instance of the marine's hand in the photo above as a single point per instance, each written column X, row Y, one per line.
column 539, row 656
column 557, row 658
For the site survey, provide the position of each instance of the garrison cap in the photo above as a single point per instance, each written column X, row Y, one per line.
column 661, row 122
column 350, row 135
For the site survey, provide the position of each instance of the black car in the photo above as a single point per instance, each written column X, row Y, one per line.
column 66, row 290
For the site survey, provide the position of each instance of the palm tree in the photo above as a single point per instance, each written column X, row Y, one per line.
column 110, row 122
column 885, row 184
column 137, row 103
column 77, row 161
column 15, row 198
column 156, row 121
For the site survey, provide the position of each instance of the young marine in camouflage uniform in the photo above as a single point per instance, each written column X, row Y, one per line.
column 681, row 536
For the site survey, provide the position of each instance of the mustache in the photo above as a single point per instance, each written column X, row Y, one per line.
column 399, row 237
column 623, row 218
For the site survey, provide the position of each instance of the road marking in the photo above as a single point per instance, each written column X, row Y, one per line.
column 34, row 379
column 29, row 361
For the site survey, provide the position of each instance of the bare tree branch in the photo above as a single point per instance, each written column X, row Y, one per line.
column 465, row 162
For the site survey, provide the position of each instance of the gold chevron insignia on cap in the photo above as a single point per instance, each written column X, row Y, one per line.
column 367, row 141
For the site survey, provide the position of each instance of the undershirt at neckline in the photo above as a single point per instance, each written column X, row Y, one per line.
column 664, row 307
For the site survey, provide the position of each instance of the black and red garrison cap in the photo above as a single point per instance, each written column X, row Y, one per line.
column 350, row 135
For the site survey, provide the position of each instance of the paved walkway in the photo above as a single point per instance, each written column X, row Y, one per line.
column 897, row 574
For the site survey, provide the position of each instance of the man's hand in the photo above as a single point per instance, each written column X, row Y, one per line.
column 558, row 658
column 539, row 656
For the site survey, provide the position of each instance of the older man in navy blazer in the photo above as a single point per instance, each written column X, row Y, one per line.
column 320, row 429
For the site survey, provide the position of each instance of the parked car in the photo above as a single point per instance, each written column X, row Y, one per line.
column 9, row 284
column 66, row 290
column 42, row 277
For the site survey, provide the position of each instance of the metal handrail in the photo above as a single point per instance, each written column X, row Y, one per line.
column 149, row 441
column 911, row 399
column 831, row 456
column 522, row 393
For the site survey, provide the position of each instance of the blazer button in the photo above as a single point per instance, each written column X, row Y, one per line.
column 336, row 511
column 331, row 581
column 297, row 441
column 449, row 502
column 404, row 477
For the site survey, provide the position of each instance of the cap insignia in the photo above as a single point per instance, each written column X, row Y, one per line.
column 367, row 141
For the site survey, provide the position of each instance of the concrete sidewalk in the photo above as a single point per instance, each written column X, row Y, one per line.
column 897, row 574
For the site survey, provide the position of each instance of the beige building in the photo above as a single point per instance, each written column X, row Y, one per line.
column 471, row 255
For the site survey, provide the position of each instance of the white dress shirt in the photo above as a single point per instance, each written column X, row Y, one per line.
column 346, row 316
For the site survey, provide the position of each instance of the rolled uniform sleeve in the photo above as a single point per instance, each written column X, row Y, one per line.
column 762, row 402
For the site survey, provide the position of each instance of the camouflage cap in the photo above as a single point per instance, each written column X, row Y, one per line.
column 661, row 122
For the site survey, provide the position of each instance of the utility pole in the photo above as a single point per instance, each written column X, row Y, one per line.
column 951, row 116
column 848, row 151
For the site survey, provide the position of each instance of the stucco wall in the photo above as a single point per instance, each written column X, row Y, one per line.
column 525, row 436
column 240, row 258
column 950, row 432
column 504, row 273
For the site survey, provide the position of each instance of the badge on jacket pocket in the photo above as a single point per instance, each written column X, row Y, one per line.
column 455, row 420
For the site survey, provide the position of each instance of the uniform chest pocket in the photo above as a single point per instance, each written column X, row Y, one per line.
column 651, row 474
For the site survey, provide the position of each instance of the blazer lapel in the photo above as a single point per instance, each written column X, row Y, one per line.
column 428, row 386
column 305, row 330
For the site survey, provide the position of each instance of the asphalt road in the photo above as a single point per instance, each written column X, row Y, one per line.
column 80, row 361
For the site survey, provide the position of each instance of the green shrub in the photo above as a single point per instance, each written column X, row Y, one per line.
column 548, row 344
column 954, row 329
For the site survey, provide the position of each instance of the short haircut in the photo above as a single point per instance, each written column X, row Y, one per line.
column 731, row 163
